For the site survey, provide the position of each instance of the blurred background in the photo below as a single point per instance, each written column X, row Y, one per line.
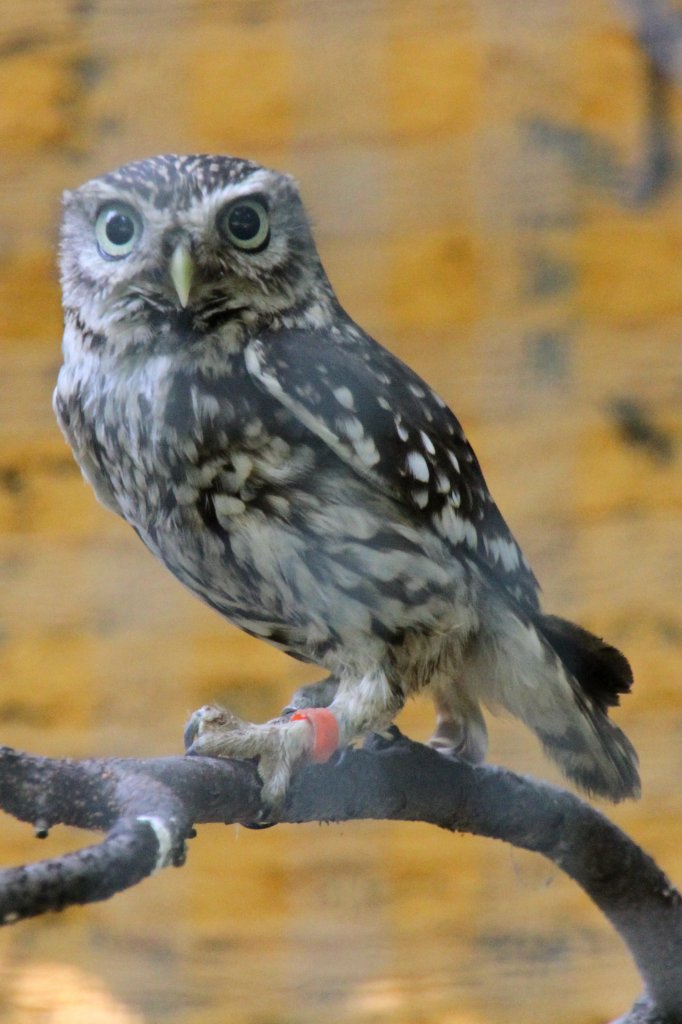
column 497, row 198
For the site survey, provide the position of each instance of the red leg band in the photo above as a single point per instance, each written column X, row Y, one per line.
column 325, row 732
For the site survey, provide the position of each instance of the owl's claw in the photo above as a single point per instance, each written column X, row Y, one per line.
column 388, row 738
column 279, row 745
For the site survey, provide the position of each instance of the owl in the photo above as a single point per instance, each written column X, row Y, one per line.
column 304, row 482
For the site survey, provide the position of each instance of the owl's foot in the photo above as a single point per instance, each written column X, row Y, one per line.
column 281, row 745
column 462, row 738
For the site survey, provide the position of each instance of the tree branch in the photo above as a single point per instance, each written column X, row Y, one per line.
column 149, row 807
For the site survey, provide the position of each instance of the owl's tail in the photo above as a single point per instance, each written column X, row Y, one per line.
column 598, row 757
column 561, row 680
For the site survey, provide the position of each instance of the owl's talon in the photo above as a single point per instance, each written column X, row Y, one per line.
column 387, row 739
column 258, row 826
column 340, row 755
column 191, row 730
column 279, row 746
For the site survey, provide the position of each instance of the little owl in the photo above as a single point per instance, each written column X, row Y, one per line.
column 303, row 481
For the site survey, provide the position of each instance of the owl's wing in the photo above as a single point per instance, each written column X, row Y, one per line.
column 381, row 419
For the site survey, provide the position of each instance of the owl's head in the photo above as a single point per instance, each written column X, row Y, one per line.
column 196, row 240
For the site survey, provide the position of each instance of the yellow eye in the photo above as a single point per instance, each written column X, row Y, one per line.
column 245, row 224
column 117, row 229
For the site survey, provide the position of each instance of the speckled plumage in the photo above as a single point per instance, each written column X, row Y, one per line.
column 302, row 480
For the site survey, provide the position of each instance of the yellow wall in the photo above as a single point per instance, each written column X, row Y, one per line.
column 472, row 173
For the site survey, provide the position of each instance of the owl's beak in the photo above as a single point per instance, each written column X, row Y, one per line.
column 182, row 271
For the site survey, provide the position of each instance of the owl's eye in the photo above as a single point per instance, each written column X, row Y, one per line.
column 117, row 229
column 245, row 224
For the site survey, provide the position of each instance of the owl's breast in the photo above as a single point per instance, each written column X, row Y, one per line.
column 76, row 400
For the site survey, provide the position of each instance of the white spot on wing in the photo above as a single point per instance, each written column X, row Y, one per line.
column 455, row 461
column 316, row 315
column 427, row 442
column 504, row 551
column 457, row 529
column 352, row 428
column 366, row 451
column 418, row 466
column 344, row 396
column 442, row 483
column 403, row 434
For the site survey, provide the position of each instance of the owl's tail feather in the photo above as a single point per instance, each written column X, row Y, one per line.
column 592, row 751
column 602, row 670
column 560, row 680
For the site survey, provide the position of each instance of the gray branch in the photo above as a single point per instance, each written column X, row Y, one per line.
column 148, row 809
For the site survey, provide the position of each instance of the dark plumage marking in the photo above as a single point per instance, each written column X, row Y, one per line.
column 603, row 672
column 206, row 508
column 214, row 319
column 391, row 637
column 179, row 412
column 279, row 635
column 92, row 340
column 63, row 410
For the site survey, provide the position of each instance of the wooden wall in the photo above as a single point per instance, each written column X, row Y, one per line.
column 497, row 197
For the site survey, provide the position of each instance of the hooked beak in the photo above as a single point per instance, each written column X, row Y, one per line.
column 182, row 272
